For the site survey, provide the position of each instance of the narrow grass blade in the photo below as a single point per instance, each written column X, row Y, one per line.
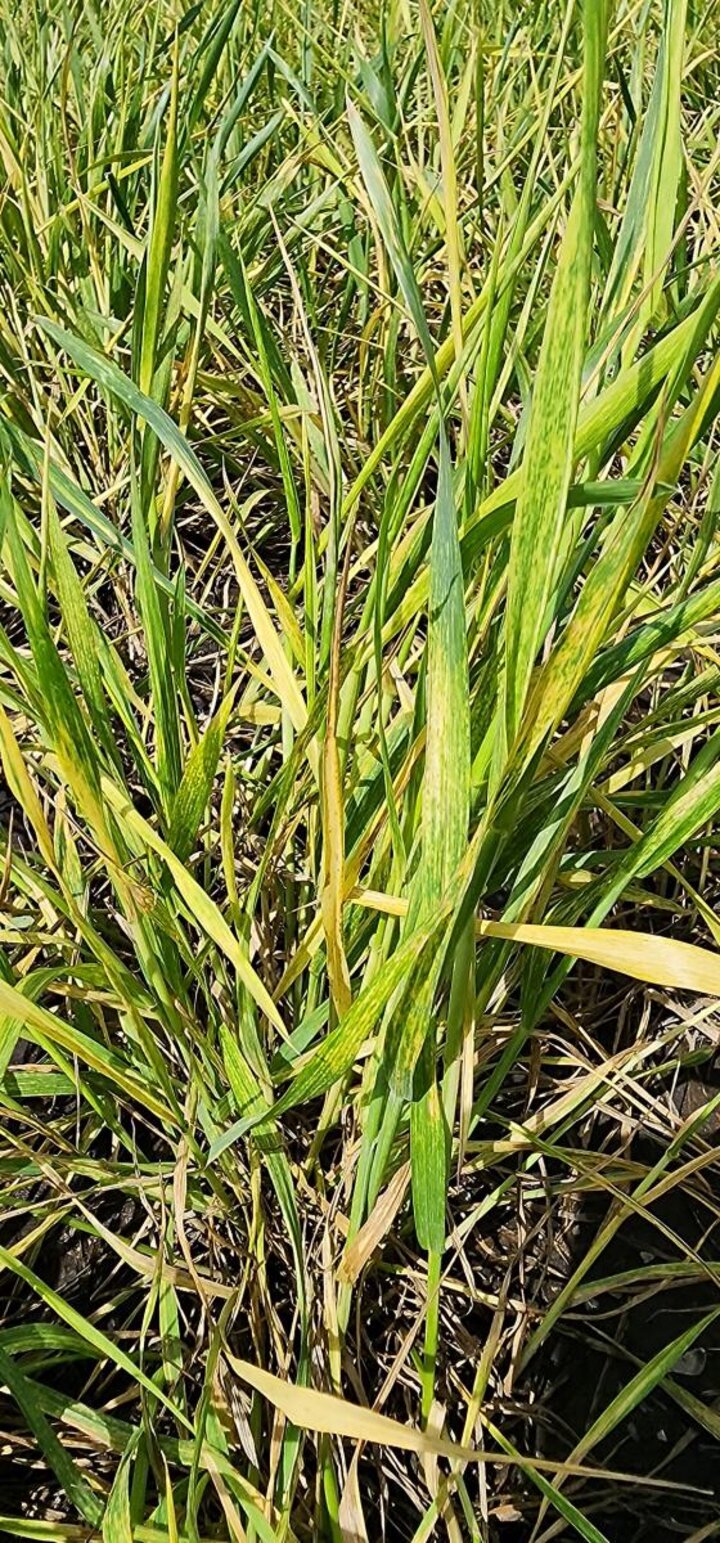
column 112, row 380
column 75, row 1485
column 547, row 464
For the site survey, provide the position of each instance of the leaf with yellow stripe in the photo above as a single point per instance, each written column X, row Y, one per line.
column 548, row 459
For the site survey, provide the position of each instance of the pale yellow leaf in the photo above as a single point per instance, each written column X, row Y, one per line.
column 659, row 961
column 329, row 1415
column 378, row 1223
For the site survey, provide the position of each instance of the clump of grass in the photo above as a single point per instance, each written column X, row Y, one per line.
column 359, row 728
